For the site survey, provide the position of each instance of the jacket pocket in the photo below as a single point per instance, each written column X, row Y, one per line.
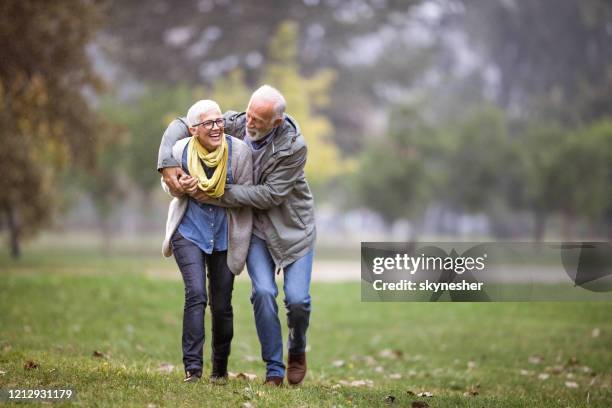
column 295, row 215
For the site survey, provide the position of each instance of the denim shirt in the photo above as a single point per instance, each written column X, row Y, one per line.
column 204, row 224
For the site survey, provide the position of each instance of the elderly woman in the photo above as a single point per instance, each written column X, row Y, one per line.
column 208, row 240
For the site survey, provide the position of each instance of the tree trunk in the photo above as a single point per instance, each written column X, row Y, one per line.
column 106, row 231
column 568, row 225
column 14, row 231
column 540, row 226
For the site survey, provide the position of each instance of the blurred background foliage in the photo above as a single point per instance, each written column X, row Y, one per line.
column 424, row 118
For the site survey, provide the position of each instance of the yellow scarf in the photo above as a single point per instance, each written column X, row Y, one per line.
column 196, row 154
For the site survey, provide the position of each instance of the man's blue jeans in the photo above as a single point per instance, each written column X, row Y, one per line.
column 263, row 297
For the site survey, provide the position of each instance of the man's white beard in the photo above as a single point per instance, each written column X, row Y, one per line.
column 255, row 135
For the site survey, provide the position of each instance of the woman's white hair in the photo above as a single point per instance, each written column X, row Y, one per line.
column 271, row 94
column 200, row 107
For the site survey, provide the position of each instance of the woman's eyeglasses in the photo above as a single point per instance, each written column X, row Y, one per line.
column 210, row 124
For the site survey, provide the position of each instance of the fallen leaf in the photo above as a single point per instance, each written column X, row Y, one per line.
column 425, row 394
column 535, row 359
column 97, row 353
column 558, row 369
column 165, row 368
column 151, row 406
column 140, row 348
column 572, row 361
column 357, row 383
column 379, row 369
column 247, row 405
column 389, row 353
column 2, row 372
column 395, row 376
column 569, row 376
column 526, row 372
column 338, row 363
column 30, row 365
column 472, row 391
column 419, row 404
column 250, row 358
column 571, row 384
column 596, row 332
column 389, row 399
column 543, row 376
column 471, row 365
column 246, row 376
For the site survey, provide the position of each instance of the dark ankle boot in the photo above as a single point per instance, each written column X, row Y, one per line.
column 219, row 368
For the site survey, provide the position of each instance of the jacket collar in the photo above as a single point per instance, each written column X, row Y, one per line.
column 285, row 135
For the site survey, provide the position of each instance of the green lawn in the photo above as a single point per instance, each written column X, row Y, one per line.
column 57, row 313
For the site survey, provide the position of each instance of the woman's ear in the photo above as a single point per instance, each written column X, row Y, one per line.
column 192, row 130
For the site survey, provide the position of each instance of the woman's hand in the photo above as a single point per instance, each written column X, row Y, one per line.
column 189, row 184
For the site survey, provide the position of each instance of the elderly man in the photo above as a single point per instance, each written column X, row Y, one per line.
column 203, row 236
column 283, row 226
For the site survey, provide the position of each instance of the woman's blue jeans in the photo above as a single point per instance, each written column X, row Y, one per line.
column 193, row 263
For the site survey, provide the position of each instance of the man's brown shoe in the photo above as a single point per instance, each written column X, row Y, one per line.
column 274, row 381
column 296, row 370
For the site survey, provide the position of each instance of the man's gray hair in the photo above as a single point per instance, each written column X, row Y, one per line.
column 200, row 107
column 271, row 94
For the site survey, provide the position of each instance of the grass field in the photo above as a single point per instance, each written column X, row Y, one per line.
column 57, row 310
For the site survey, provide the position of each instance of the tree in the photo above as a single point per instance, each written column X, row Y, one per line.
column 479, row 160
column 400, row 170
column 589, row 160
column 107, row 181
column 45, row 120
column 144, row 119
column 553, row 56
column 543, row 151
column 199, row 42
column 306, row 99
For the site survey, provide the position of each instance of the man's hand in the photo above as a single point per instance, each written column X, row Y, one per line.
column 172, row 175
column 201, row 196
column 189, row 184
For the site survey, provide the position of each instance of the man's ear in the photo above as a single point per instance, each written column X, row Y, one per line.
column 277, row 122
